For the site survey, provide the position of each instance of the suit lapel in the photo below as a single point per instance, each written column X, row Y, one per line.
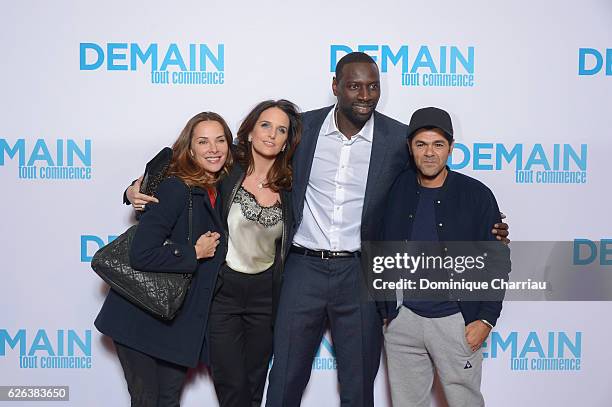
column 377, row 158
column 304, row 155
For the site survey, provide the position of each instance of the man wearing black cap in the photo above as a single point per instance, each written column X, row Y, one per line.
column 434, row 203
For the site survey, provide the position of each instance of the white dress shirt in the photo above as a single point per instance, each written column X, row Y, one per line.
column 336, row 189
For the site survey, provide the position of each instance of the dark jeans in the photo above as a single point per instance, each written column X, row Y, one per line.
column 240, row 332
column 151, row 382
column 316, row 292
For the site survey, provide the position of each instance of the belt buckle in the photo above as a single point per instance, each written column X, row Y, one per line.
column 323, row 257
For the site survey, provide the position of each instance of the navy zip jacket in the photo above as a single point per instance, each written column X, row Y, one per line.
column 466, row 210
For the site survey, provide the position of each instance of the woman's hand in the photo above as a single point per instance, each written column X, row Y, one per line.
column 206, row 245
column 137, row 199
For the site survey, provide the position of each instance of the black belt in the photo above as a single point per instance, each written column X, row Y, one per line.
column 324, row 254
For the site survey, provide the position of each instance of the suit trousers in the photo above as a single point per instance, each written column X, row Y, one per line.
column 416, row 345
column 240, row 332
column 314, row 292
column 151, row 382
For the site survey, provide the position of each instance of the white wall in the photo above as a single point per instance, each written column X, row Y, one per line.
column 527, row 90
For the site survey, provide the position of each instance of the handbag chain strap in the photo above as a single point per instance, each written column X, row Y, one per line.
column 190, row 237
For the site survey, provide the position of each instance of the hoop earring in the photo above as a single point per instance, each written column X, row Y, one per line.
column 250, row 138
column 284, row 146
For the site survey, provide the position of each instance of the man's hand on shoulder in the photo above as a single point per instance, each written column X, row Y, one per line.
column 137, row 199
column 500, row 230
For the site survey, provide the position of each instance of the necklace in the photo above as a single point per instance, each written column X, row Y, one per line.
column 260, row 182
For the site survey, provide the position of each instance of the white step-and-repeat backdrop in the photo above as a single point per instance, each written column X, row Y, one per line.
column 92, row 90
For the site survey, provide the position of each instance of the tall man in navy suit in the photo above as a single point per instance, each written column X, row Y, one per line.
column 347, row 160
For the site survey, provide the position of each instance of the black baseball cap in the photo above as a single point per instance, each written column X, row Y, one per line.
column 431, row 118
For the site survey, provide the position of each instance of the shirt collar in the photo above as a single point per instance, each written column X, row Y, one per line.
column 366, row 132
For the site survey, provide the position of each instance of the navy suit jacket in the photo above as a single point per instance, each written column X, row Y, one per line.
column 388, row 158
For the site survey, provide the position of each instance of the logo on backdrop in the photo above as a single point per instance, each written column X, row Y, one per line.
column 420, row 65
column 532, row 164
column 90, row 245
column 592, row 252
column 325, row 358
column 549, row 351
column 592, row 62
column 65, row 159
column 171, row 64
column 47, row 349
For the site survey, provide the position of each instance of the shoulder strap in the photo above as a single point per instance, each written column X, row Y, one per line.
column 190, row 237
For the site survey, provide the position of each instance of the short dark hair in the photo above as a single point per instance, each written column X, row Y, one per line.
column 351, row 58
column 448, row 137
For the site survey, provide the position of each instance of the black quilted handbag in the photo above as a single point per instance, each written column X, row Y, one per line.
column 160, row 294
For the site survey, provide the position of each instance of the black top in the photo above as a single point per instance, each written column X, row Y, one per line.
column 424, row 230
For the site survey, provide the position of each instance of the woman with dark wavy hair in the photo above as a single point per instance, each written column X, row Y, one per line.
column 257, row 215
column 156, row 354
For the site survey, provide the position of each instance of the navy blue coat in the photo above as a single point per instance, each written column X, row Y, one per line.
column 466, row 210
column 183, row 340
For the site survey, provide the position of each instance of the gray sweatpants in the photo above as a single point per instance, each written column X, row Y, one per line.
column 415, row 346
